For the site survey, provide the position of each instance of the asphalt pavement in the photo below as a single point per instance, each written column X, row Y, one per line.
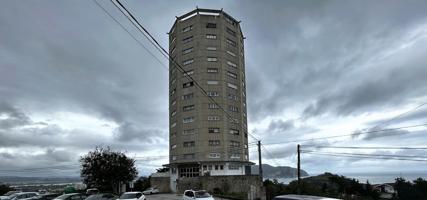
column 169, row 197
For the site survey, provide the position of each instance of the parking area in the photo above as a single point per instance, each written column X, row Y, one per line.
column 169, row 197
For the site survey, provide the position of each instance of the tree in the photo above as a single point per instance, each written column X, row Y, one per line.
column 4, row 189
column 142, row 183
column 162, row 170
column 106, row 169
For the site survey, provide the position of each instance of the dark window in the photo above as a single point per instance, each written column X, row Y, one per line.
column 188, row 84
column 210, row 25
column 231, row 32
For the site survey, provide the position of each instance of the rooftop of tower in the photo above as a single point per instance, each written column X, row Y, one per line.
column 203, row 11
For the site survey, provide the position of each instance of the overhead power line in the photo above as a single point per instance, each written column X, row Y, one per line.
column 362, row 154
column 130, row 34
column 159, row 47
column 370, row 157
column 345, row 135
column 361, row 147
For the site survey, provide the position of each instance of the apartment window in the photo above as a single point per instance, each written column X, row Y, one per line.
column 231, row 21
column 244, row 94
column 187, row 62
column 231, row 64
column 173, row 102
column 211, row 48
column 173, row 50
column 214, row 142
column 221, row 167
column 233, row 167
column 173, row 135
column 173, row 40
column 232, row 97
column 234, row 143
column 188, row 120
column 212, row 82
column 173, row 146
column 231, row 32
column 244, row 114
column 211, row 36
column 210, row 25
column 188, row 28
column 235, row 155
column 188, row 108
column 234, row 121
column 230, row 85
column 188, row 84
column 213, row 118
column 233, row 108
column 189, row 144
column 212, row 59
column 173, row 157
column 189, row 72
column 173, row 91
column 189, row 156
column 212, row 70
column 234, row 132
column 231, row 53
column 213, row 130
column 187, row 39
column 213, row 106
column 215, row 155
column 187, row 51
column 189, row 132
column 173, row 113
column 212, row 94
column 232, row 75
column 231, row 42
column 187, row 96
column 173, row 70
column 173, row 125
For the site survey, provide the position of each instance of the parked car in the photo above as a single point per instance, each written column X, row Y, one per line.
column 21, row 196
column 71, row 196
column 46, row 196
column 151, row 190
column 201, row 194
column 301, row 197
column 7, row 194
column 92, row 191
column 132, row 195
column 102, row 196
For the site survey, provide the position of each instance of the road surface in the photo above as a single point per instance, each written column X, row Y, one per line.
column 169, row 197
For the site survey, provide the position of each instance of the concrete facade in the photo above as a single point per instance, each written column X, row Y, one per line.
column 249, row 186
column 204, row 140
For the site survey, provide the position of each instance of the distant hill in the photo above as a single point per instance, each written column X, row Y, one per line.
column 20, row 180
column 277, row 172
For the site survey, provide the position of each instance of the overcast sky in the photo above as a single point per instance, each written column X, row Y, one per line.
column 72, row 79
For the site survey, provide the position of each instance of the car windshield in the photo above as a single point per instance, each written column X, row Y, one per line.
column 130, row 196
column 63, row 196
column 202, row 194
column 9, row 193
column 94, row 197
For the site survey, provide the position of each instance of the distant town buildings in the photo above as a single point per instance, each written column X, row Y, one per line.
column 204, row 140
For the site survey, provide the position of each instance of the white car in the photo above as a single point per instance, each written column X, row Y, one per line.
column 151, row 190
column 201, row 194
column 132, row 195
column 21, row 195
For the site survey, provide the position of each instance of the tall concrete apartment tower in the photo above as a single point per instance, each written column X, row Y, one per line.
column 204, row 140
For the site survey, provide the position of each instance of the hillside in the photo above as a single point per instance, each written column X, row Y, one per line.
column 278, row 172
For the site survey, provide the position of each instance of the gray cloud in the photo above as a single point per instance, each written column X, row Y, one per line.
column 305, row 59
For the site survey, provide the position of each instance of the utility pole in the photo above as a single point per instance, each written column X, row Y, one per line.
column 259, row 160
column 299, row 169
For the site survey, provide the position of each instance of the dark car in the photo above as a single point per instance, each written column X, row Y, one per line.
column 301, row 197
column 102, row 196
column 71, row 196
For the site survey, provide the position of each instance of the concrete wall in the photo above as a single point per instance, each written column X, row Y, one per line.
column 162, row 183
column 247, row 184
